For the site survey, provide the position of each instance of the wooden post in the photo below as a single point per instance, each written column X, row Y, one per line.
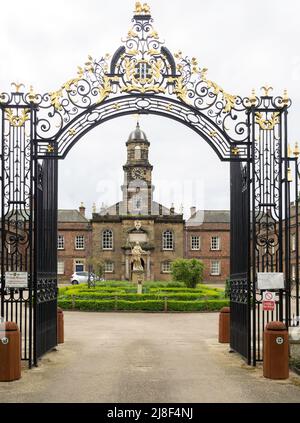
column 166, row 304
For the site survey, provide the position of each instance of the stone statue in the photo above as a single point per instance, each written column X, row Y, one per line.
column 137, row 252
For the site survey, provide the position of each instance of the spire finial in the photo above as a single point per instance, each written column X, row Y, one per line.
column 137, row 116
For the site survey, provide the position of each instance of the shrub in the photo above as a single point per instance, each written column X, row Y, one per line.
column 144, row 305
column 180, row 296
column 189, row 271
column 208, row 305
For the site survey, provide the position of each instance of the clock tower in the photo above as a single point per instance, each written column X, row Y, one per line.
column 137, row 187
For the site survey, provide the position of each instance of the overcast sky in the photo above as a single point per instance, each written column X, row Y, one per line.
column 244, row 44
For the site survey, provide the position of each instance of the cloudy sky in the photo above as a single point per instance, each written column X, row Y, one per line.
column 244, row 44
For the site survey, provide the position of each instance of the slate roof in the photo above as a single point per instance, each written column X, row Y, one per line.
column 209, row 216
column 112, row 210
column 70, row 216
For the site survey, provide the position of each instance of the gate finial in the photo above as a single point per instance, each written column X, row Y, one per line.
column 266, row 88
column 142, row 9
column 296, row 150
column 17, row 86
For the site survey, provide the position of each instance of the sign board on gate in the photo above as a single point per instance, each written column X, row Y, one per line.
column 16, row 279
column 269, row 301
column 270, row 280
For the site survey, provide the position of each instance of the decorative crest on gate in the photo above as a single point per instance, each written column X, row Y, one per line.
column 142, row 76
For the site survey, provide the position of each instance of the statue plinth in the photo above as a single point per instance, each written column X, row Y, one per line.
column 138, row 277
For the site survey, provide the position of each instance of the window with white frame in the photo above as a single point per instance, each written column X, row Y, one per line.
column 166, row 267
column 60, row 242
column 79, row 265
column 195, row 242
column 215, row 268
column 293, row 242
column 108, row 267
column 215, row 243
column 60, row 267
column 79, row 242
column 167, row 240
column 107, row 239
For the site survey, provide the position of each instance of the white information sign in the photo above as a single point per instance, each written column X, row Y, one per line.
column 270, row 280
column 16, row 279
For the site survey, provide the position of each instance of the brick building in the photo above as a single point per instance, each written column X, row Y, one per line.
column 162, row 233
column 73, row 242
column 137, row 218
column 207, row 237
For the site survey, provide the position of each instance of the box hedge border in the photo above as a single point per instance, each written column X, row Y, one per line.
column 144, row 305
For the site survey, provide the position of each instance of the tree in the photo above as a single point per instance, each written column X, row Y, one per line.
column 95, row 265
column 189, row 271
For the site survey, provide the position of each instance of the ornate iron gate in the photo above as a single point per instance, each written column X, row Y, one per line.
column 45, row 290
column 240, row 321
column 144, row 77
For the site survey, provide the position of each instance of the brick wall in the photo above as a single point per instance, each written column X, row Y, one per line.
column 205, row 254
column 69, row 254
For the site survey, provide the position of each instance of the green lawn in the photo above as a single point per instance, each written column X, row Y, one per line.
column 157, row 296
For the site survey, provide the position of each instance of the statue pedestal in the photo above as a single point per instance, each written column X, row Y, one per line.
column 138, row 277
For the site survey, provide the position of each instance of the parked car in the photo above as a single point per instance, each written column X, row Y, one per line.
column 81, row 277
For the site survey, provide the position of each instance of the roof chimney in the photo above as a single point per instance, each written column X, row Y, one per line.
column 82, row 210
column 193, row 211
column 172, row 209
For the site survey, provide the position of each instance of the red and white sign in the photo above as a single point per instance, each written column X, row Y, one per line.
column 269, row 301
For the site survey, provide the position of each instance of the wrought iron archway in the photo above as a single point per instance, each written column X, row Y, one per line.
column 143, row 76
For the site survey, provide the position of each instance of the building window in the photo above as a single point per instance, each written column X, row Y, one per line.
column 137, row 152
column 293, row 242
column 60, row 242
column 166, row 267
column 168, row 240
column 215, row 243
column 108, row 267
column 215, row 268
column 107, row 239
column 79, row 242
column 195, row 242
column 60, row 267
column 79, row 265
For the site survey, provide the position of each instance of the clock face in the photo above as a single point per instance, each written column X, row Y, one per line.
column 137, row 173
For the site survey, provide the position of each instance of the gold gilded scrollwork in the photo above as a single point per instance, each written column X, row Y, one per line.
column 229, row 98
column 17, row 120
column 267, row 124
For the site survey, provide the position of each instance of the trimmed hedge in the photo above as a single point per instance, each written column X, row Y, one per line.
column 141, row 297
column 146, row 305
column 157, row 297
column 208, row 305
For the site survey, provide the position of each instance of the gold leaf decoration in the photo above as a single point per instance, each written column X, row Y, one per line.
column 180, row 90
column 105, row 89
column 267, row 124
column 55, row 97
column 229, row 98
column 17, row 120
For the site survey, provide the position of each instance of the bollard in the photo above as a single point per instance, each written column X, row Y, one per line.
column 276, row 351
column 10, row 352
column 60, row 326
column 224, row 325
